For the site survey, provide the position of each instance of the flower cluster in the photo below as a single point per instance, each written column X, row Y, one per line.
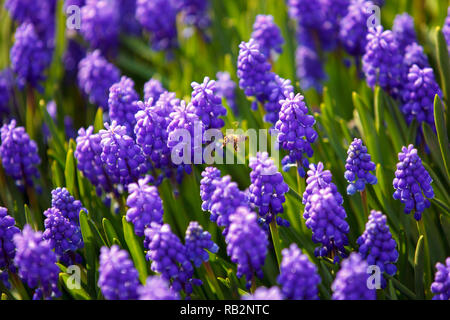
column 123, row 158
column 403, row 30
column 88, row 154
column 298, row 277
column 376, row 244
column 156, row 288
column 414, row 55
column 207, row 104
column 207, row 186
column 226, row 88
column 358, row 166
column 144, row 205
column 263, row 293
column 353, row 27
column 63, row 235
column 185, row 120
column 169, row 257
column 441, row 285
column 7, row 246
column 197, row 241
column 153, row 89
column 446, row 29
column 159, row 18
column 412, row 182
column 351, row 280
column 36, row 262
column 66, row 203
column 277, row 90
column 122, row 104
column 195, row 13
column 267, row 35
column 295, row 132
column 383, row 61
column 324, row 213
column 418, row 95
column 100, row 24
column 309, row 68
column 246, row 243
column 29, row 56
column 95, row 76
column 118, row 278
column 19, row 154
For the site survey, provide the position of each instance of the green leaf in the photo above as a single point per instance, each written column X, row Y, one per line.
column 445, row 223
column 442, row 133
column 90, row 255
column 98, row 122
column 418, row 268
column 29, row 217
column 433, row 145
column 69, row 172
column 76, row 293
column 136, row 249
column 109, row 231
column 443, row 62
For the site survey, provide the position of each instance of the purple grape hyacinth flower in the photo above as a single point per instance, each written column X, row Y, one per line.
column 418, row 95
column 118, row 278
column 226, row 89
column 358, row 167
column 159, row 18
column 412, row 182
column 63, row 235
column 383, row 61
column 403, row 30
column 246, row 244
column 88, row 154
column 298, row 277
column 100, row 24
column 441, row 285
column 144, row 205
column 353, row 27
column 414, row 54
column 36, row 263
column 123, row 158
column 156, row 288
column 207, row 104
column 253, row 69
column 263, row 293
column 7, row 246
column 95, row 76
column 268, row 35
column 153, row 89
column 310, row 70
column 351, row 280
column 29, row 56
column 122, row 104
column 377, row 246
column 324, row 213
column 295, row 132
column 169, row 257
column 207, row 186
column 267, row 189
column 278, row 89
column 19, row 154
column 197, row 241
column 66, row 203
column 195, row 12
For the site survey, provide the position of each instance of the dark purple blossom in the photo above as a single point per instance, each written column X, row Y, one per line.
column 358, row 166
column 197, row 241
column 414, row 54
column 226, row 88
column 7, row 246
column 263, row 293
column 6, row 91
column 446, row 29
column 66, row 203
column 153, row 89
column 441, row 285
column 144, row 205
column 412, row 182
column 118, row 278
column 156, row 288
column 298, row 277
column 351, row 280
column 19, row 154
column 246, row 243
column 403, row 30
column 268, row 35
column 310, row 70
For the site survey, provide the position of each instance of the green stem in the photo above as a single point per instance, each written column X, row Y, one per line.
column 364, row 202
column 253, row 287
column 276, row 240
column 212, row 277
column 427, row 276
column 19, row 286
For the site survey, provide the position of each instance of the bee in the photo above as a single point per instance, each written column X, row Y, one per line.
column 235, row 139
